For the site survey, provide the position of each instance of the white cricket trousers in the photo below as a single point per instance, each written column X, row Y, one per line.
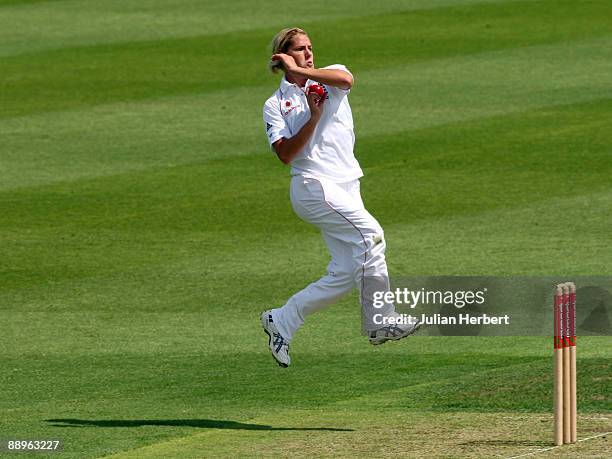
column 355, row 241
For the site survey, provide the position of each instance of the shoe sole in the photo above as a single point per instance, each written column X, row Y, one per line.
column 263, row 325
column 396, row 338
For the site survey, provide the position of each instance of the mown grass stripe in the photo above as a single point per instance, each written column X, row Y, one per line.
column 524, row 144
column 34, row 25
column 86, row 76
column 179, row 130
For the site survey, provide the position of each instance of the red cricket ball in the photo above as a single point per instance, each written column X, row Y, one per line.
column 317, row 88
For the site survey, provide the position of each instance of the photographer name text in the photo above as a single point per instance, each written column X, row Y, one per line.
column 439, row 319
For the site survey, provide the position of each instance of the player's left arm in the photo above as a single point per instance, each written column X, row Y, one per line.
column 333, row 77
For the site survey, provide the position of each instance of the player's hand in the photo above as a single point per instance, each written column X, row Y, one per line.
column 288, row 61
column 315, row 103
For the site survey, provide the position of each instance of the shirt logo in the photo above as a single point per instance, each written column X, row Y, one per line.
column 288, row 108
column 268, row 126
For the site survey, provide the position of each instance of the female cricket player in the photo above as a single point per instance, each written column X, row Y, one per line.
column 314, row 135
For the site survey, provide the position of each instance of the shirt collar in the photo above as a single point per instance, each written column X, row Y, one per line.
column 285, row 86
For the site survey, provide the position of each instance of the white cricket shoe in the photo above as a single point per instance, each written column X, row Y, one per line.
column 278, row 345
column 393, row 333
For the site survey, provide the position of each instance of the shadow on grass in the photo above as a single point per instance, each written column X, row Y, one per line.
column 199, row 423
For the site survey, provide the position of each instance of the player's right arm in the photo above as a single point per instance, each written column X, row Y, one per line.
column 287, row 148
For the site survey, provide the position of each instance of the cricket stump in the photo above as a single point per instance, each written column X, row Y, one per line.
column 565, row 403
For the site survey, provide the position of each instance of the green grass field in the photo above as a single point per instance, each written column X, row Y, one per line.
column 144, row 224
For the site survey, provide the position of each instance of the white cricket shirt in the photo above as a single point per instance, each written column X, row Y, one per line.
column 329, row 152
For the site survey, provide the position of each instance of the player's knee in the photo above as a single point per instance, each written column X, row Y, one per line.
column 373, row 260
column 369, row 255
column 375, row 246
column 378, row 242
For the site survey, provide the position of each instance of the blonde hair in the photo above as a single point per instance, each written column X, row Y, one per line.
column 280, row 44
